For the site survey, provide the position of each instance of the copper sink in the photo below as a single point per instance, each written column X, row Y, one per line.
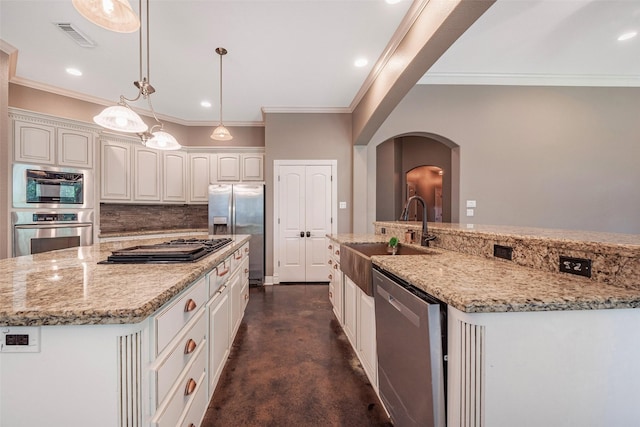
column 355, row 260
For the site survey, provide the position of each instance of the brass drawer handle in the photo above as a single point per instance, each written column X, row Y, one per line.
column 190, row 306
column 330, row 295
column 246, row 270
column 335, row 267
column 238, row 256
column 330, row 247
column 337, row 251
column 246, row 250
column 246, row 296
column 330, row 261
column 330, row 277
column 222, row 273
column 191, row 386
column 190, row 346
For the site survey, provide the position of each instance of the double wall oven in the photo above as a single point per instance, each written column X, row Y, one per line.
column 52, row 208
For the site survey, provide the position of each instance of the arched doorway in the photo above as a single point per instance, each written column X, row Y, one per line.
column 426, row 164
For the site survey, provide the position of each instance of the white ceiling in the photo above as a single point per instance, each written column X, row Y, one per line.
column 298, row 54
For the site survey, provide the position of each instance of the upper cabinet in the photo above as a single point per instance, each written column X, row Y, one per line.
column 228, row 167
column 174, row 181
column 252, row 166
column 44, row 141
column 202, row 172
column 115, row 164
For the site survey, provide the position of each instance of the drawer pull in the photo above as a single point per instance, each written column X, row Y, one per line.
column 190, row 387
column 222, row 273
column 335, row 266
column 330, row 277
column 246, row 250
column 330, row 261
column 190, row 346
column 192, row 425
column 238, row 255
column 246, row 296
column 330, row 247
column 190, row 306
column 330, row 295
column 337, row 251
column 246, row 270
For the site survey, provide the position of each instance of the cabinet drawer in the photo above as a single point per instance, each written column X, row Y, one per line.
column 198, row 407
column 238, row 256
column 173, row 318
column 184, row 393
column 184, row 350
column 219, row 276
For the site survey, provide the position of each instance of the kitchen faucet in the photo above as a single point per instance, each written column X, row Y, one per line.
column 426, row 238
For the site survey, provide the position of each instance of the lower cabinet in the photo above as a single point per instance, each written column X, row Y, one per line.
column 219, row 334
column 360, row 327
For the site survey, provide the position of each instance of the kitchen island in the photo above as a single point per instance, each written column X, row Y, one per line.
column 95, row 344
column 528, row 346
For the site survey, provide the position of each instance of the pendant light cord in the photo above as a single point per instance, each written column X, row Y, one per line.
column 221, row 55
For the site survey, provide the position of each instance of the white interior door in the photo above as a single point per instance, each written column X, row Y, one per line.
column 304, row 217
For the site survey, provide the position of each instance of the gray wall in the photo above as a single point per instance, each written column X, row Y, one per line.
column 557, row 157
column 389, row 180
column 5, row 178
column 291, row 136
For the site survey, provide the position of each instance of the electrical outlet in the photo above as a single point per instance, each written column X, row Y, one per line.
column 383, row 230
column 504, row 252
column 579, row 266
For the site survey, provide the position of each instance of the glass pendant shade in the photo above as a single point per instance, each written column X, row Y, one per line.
column 221, row 133
column 114, row 15
column 120, row 118
column 163, row 141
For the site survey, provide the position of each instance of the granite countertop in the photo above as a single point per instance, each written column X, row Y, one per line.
column 475, row 284
column 69, row 287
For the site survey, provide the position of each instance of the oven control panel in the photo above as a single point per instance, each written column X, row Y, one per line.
column 19, row 339
column 50, row 217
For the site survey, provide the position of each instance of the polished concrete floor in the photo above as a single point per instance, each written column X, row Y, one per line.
column 292, row 365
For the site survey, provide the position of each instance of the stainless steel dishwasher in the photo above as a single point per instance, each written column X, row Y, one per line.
column 411, row 335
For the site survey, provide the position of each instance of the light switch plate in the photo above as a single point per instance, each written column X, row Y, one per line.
column 343, row 205
column 469, row 212
column 471, row 203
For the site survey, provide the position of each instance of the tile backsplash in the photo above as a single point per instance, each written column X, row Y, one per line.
column 127, row 217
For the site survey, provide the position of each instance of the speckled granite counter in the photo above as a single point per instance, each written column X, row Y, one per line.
column 70, row 287
column 476, row 284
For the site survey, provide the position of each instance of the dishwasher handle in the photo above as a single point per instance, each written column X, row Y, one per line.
column 403, row 309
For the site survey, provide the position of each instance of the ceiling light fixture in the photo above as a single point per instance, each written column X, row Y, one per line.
column 360, row 62
column 627, row 35
column 221, row 133
column 122, row 118
column 74, row 71
column 114, row 15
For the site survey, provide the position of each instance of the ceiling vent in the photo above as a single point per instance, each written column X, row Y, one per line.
column 75, row 34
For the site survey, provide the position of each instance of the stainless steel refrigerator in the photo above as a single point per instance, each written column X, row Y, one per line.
column 239, row 209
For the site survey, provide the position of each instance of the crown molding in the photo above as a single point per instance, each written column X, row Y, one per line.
column 306, row 110
column 530, row 79
column 106, row 102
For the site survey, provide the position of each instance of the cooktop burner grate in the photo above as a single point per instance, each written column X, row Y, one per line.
column 173, row 251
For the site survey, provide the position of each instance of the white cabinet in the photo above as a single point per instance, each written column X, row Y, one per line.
column 174, row 188
column 350, row 310
column 147, row 166
column 49, row 143
column 228, row 167
column 115, row 164
column 74, row 148
column 33, row 143
column 252, row 166
column 200, row 176
column 366, row 337
column 219, row 334
column 334, row 275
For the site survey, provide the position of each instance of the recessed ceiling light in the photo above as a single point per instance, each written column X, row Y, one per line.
column 205, row 104
column 628, row 35
column 361, row 62
column 392, row 1
column 74, row 71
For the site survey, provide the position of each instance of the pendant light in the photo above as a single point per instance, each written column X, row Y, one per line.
column 122, row 118
column 114, row 15
column 221, row 133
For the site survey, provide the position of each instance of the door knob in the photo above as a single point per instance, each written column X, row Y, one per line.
column 302, row 234
column 308, row 234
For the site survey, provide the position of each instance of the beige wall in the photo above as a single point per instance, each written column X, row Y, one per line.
column 30, row 99
column 557, row 157
column 308, row 137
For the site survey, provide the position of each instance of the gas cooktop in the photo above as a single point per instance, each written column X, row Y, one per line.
column 173, row 251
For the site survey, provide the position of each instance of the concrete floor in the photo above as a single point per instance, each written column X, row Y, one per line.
column 292, row 365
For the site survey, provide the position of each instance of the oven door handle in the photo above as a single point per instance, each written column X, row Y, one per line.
column 56, row 225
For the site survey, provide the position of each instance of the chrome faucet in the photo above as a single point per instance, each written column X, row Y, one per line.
column 426, row 238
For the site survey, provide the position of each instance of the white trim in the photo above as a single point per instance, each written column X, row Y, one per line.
column 522, row 79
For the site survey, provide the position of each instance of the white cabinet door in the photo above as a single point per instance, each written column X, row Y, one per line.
column 366, row 330
column 350, row 310
column 75, row 148
column 252, row 167
column 199, row 168
column 147, row 168
column 219, row 335
column 235, row 290
column 228, row 167
column 304, row 210
column 115, row 160
column 174, row 188
column 33, row 143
